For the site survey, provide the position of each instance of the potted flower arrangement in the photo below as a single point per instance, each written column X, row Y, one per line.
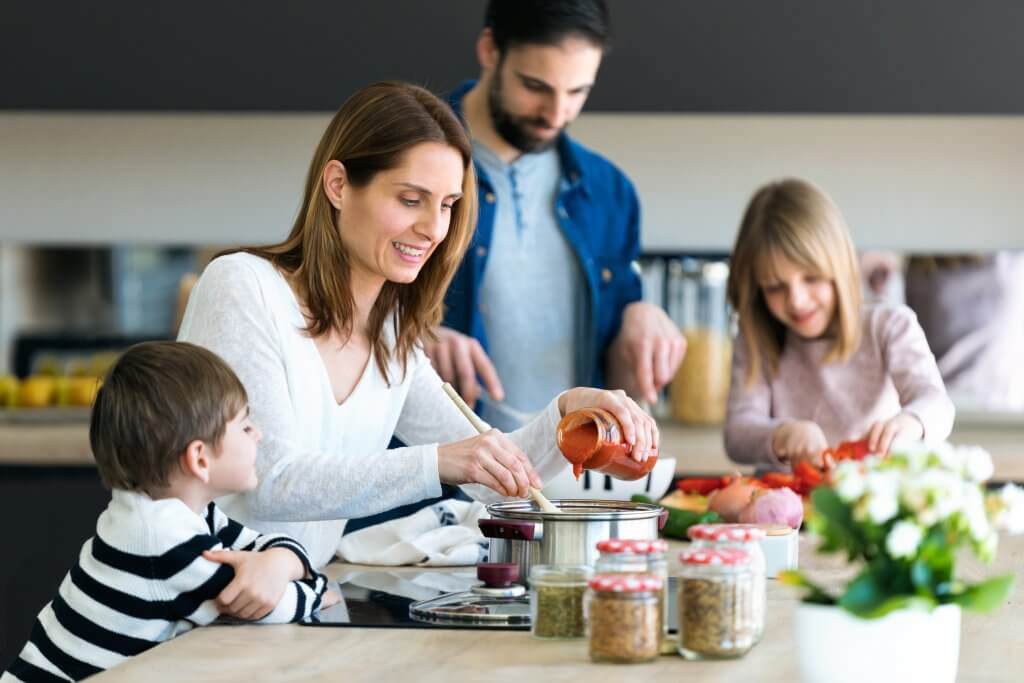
column 902, row 521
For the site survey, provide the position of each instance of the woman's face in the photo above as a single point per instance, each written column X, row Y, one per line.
column 803, row 301
column 391, row 226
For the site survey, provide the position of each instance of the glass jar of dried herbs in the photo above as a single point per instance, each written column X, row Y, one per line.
column 636, row 556
column 746, row 537
column 556, row 600
column 720, row 613
column 625, row 617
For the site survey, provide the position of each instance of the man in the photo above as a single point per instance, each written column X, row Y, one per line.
column 548, row 295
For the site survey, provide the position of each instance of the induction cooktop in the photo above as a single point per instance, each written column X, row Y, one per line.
column 380, row 598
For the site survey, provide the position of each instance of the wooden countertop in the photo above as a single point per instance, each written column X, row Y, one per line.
column 992, row 649
column 698, row 450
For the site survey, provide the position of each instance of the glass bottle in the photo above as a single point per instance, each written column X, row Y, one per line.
column 719, row 616
column 624, row 617
column 700, row 389
column 591, row 439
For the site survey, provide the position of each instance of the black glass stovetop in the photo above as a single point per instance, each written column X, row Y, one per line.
column 380, row 599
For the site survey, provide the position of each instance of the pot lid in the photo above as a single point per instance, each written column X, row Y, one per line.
column 497, row 603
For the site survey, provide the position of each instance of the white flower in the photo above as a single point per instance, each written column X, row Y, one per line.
column 933, row 495
column 848, row 481
column 882, row 500
column 974, row 512
column 986, row 548
column 903, row 539
column 1010, row 509
column 914, row 453
column 977, row 463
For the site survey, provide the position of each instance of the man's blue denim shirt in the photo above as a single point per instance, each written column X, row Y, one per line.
column 599, row 213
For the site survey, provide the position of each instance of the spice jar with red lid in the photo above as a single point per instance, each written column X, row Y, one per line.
column 624, row 617
column 719, row 614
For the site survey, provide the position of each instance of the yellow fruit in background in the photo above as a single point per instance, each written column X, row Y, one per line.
column 82, row 390
column 38, row 391
column 61, row 390
column 8, row 391
column 101, row 362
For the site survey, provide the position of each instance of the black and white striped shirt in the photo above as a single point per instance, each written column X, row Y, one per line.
column 142, row 580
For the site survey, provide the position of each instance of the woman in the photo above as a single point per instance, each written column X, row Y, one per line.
column 325, row 331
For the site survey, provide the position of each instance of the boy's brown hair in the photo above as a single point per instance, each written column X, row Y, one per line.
column 156, row 399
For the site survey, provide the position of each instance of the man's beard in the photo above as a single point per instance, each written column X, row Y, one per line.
column 513, row 129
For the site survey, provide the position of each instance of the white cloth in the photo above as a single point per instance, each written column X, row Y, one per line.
column 319, row 462
column 444, row 534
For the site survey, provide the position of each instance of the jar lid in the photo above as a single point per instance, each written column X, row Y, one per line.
column 715, row 556
column 726, row 532
column 562, row 574
column 626, row 583
column 627, row 546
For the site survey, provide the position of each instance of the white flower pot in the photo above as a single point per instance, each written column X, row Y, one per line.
column 833, row 646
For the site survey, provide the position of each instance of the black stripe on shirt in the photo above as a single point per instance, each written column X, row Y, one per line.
column 230, row 533
column 300, row 603
column 211, row 517
column 180, row 607
column 73, row 668
column 95, row 634
column 160, row 567
column 30, row 673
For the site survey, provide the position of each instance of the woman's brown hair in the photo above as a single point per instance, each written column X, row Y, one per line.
column 371, row 132
column 792, row 219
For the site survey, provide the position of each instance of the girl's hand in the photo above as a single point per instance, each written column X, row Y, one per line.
column 882, row 433
column 799, row 440
column 638, row 428
column 490, row 459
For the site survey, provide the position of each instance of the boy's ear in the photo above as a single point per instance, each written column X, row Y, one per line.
column 195, row 460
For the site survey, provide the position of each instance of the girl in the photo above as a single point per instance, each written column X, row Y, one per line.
column 812, row 365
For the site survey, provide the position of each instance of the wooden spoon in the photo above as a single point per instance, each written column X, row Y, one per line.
column 539, row 498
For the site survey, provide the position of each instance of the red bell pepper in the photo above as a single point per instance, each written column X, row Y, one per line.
column 701, row 486
column 778, row 480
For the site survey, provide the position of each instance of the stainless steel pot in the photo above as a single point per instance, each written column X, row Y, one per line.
column 520, row 533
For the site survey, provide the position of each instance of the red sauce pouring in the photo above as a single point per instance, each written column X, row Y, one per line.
column 591, row 439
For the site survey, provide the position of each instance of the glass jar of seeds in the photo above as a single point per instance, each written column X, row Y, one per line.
column 745, row 537
column 719, row 617
column 624, row 617
column 556, row 600
column 629, row 556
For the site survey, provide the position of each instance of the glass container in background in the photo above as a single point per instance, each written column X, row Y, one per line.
column 556, row 600
column 637, row 556
column 719, row 617
column 699, row 305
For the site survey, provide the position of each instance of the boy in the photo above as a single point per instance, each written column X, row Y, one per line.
column 170, row 432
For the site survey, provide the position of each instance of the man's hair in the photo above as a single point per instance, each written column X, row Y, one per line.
column 155, row 400
column 546, row 22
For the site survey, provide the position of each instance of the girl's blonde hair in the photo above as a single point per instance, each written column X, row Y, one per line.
column 792, row 219
column 371, row 133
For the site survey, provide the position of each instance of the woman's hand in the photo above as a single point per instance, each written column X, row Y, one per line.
column 800, row 440
column 883, row 432
column 638, row 428
column 490, row 459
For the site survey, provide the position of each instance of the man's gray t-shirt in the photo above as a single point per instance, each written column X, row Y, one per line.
column 532, row 289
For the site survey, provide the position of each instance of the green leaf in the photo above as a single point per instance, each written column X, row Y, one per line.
column 902, row 602
column 921, row 577
column 987, row 595
column 863, row 595
column 815, row 593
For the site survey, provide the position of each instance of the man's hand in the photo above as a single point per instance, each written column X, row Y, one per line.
column 646, row 353
column 800, row 440
column 260, row 580
column 459, row 359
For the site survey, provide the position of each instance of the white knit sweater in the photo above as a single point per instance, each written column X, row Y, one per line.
column 319, row 462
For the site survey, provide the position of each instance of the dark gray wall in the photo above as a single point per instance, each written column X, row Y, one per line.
column 858, row 56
